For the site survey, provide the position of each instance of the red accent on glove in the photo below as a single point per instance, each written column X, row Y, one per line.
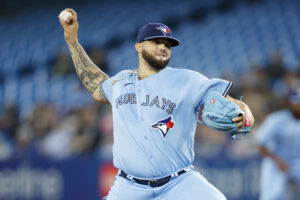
column 212, row 101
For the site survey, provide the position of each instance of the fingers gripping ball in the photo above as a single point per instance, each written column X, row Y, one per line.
column 65, row 16
column 218, row 113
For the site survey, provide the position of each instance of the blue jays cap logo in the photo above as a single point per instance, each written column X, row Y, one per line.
column 164, row 125
column 164, row 29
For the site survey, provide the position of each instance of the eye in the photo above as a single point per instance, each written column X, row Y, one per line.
column 168, row 45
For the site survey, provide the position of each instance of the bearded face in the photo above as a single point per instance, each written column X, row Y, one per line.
column 154, row 62
column 157, row 53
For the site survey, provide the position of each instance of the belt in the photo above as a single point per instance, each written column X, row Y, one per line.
column 152, row 182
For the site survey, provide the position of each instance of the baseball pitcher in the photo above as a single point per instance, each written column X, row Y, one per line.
column 155, row 111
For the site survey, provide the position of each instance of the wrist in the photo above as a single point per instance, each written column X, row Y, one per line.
column 248, row 112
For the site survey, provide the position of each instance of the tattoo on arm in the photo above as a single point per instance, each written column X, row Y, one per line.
column 80, row 57
column 90, row 75
column 90, row 80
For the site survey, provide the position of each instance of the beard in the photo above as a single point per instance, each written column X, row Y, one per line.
column 153, row 62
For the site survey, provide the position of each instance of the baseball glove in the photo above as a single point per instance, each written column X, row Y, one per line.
column 218, row 113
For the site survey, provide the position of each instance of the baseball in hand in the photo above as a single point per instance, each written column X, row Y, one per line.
column 64, row 15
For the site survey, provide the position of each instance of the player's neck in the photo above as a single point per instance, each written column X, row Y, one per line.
column 145, row 70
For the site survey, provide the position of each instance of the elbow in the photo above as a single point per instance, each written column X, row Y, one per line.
column 99, row 96
column 101, row 99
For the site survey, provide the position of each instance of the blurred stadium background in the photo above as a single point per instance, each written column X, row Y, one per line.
column 55, row 140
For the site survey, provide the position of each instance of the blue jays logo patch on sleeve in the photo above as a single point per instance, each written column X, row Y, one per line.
column 164, row 125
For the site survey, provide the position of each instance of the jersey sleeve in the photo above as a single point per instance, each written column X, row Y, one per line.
column 203, row 85
column 107, row 88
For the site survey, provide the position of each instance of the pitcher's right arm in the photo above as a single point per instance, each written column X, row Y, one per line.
column 90, row 75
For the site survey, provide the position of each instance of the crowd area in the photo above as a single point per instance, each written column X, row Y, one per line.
column 54, row 132
column 88, row 130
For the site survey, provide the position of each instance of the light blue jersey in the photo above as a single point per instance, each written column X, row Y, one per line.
column 280, row 134
column 155, row 119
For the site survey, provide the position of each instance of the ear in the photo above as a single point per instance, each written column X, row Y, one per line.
column 138, row 47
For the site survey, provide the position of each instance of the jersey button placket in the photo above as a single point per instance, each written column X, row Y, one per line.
column 140, row 114
column 141, row 117
column 139, row 106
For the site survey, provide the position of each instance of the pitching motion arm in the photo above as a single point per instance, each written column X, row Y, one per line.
column 90, row 75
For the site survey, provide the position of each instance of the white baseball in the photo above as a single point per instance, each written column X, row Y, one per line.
column 64, row 15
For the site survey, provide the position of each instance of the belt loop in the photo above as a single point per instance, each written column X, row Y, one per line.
column 175, row 174
column 130, row 177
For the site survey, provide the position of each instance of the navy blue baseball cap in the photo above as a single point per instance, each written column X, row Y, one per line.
column 156, row 30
